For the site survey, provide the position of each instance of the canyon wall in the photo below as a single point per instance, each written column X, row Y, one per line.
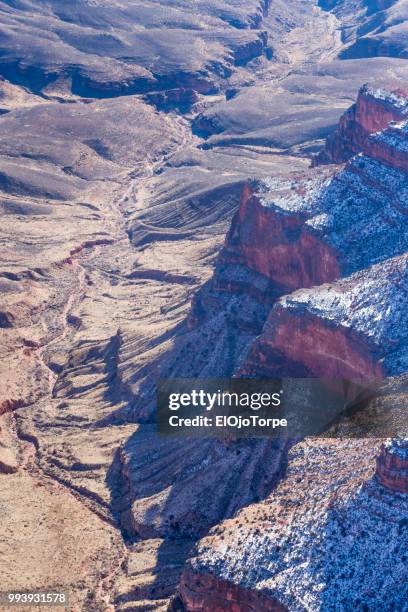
column 307, row 233
column 373, row 111
column 352, row 329
column 226, row 596
column 391, row 147
column 323, row 257
column 392, row 466
column 278, row 245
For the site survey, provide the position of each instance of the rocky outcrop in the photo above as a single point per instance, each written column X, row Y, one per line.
column 335, row 527
column 112, row 215
column 226, row 596
column 278, row 244
column 323, row 258
column 309, row 232
column 305, row 233
column 391, row 147
column 180, row 486
column 352, row 329
column 332, row 243
column 269, row 251
column 180, row 98
column 392, row 465
column 251, row 49
column 374, row 110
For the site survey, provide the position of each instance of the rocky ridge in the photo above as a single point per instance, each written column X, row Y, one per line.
column 309, row 230
column 392, row 466
column 370, row 28
column 353, row 329
column 373, row 111
column 343, row 239
column 320, row 541
column 306, row 233
column 105, row 50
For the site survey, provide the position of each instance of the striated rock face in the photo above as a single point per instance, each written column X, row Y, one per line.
column 180, row 98
column 333, row 244
column 269, row 251
column 392, row 465
column 277, row 244
column 306, row 346
column 374, row 110
column 354, row 328
column 391, row 147
column 185, row 485
column 206, row 593
column 307, row 233
column 317, row 227
column 322, row 260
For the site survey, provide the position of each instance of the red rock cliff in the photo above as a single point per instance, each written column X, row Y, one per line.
column 392, row 466
column 350, row 329
column 279, row 246
column 207, row 593
column 390, row 146
column 301, row 240
column 274, row 251
column 374, row 110
column 303, row 345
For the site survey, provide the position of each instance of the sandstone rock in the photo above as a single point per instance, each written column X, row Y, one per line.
column 391, row 148
column 374, row 110
column 208, row 593
column 352, row 329
column 275, row 243
column 306, row 232
column 328, row 246
column 392, row 465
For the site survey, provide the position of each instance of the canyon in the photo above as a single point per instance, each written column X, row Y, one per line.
column 205, row 192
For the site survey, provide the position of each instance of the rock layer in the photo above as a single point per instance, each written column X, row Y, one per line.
column 373, row 111
column 392, row 466
column 305, row 233
column 226, row 596
column 278, row 245
column 336, row 309
column 391, row 148
column 352, row 329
